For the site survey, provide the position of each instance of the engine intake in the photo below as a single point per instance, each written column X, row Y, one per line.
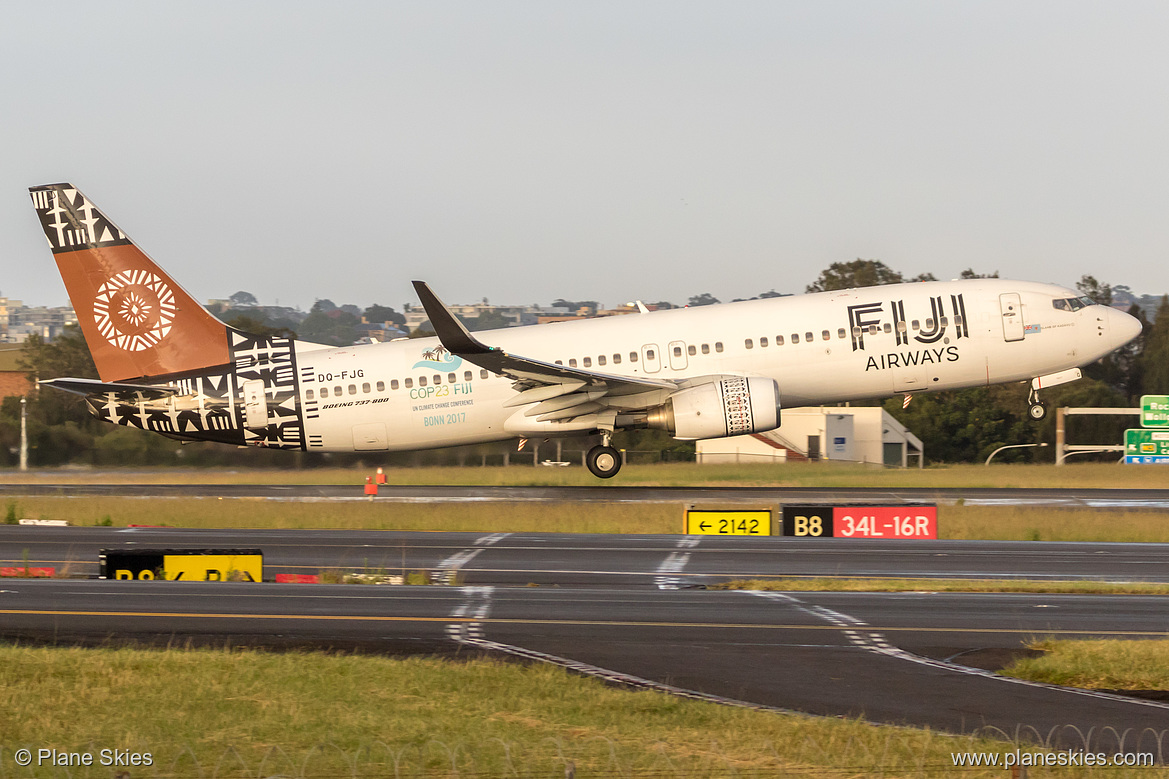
column 731, row 405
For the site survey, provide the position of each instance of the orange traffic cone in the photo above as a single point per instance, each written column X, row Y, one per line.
column 381, row 475
column 370, row 487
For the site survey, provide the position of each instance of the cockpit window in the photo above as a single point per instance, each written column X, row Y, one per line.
column 1073, row 304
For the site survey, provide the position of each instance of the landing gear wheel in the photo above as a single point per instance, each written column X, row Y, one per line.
column 603, row 461
column 1038, row 410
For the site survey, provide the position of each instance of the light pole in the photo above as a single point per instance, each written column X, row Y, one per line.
column 1012, row 446
column 23, row 433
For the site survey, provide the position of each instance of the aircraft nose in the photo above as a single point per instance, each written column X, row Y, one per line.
column 1122, row 326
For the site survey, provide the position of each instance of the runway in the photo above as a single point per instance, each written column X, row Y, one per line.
column 583, row 560
column 883, row 657
column 1099, row 499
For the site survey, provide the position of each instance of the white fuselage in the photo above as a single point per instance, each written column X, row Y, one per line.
column 820, row 348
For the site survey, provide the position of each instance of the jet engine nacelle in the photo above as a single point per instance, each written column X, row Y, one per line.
column 725, row 406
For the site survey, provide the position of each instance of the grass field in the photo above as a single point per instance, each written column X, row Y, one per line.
column 1097, row 664
column 1079, row 475
column 245, row 713
column 1007, row 523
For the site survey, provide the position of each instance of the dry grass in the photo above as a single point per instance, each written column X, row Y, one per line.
column 1098, row 664
column 1004, row 523
column 1028, row 523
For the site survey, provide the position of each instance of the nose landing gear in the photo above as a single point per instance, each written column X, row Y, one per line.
column 1038, row 410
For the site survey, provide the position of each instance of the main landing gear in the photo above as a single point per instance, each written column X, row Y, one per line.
column 1038, row 410
column 604, row 461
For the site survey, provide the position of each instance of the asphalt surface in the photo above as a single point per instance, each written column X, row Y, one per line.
column 1100, row 499
column 573, row 560
column 894, row 658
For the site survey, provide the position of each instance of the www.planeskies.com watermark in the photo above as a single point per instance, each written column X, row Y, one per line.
column 1044, row 759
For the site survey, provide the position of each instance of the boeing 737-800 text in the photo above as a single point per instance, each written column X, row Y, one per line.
column 167, row 365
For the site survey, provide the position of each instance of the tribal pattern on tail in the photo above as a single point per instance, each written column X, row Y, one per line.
column 210, row 407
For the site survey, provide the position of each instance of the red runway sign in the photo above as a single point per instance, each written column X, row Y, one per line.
column 892, row 522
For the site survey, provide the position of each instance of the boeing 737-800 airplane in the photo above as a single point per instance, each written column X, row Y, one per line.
column 167, row 365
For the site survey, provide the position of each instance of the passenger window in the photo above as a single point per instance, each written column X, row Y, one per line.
column 588, row 362
column 421, row 381
column 452, row 378
column 706, row 348
column 560, row 362
column 763, row 342
column 677, row 351
column 691, row 350
column 365, row 387
column 857, row 332
column 901, row 328
column 352, row 389
column 308, row 395
column 841, row 333
column 467, row 375
column 381, row 386
column 337, row 391
column 888, row 328
column 409, row 383
column 807, row 337
column 616, row 359
column 748, row 343
column 718, row 346
column 826, row 335
column 601, row 359
column 929, row 324
column 945, row 322
column 437, row 379
column 795, row 338
column 957, row 321
column 393, row 384
column 779, row 340
column 650, row 354
column 483, row 374
column 572, row 363
column 633, row 356
column 324, row 392
column 872, row 329
column 914, row 324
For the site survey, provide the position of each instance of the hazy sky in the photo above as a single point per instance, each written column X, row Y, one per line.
column 590, row 150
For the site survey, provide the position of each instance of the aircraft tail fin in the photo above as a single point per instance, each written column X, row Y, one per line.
column 137, row 321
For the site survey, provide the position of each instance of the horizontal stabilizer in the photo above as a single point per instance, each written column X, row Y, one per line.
column 95, row 387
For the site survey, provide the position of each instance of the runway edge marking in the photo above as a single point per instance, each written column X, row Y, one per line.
column 873, row 641
column 451, row 566
column 666, row 575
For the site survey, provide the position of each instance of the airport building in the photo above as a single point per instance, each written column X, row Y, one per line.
column 866, row 434
column 13, row 379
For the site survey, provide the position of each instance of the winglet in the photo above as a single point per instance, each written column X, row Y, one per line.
column 450, row 331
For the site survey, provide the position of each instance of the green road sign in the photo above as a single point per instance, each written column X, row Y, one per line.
column 1153, row 443
column 1155, row 410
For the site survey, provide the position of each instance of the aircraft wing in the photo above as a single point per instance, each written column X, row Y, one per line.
column 561, row 392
